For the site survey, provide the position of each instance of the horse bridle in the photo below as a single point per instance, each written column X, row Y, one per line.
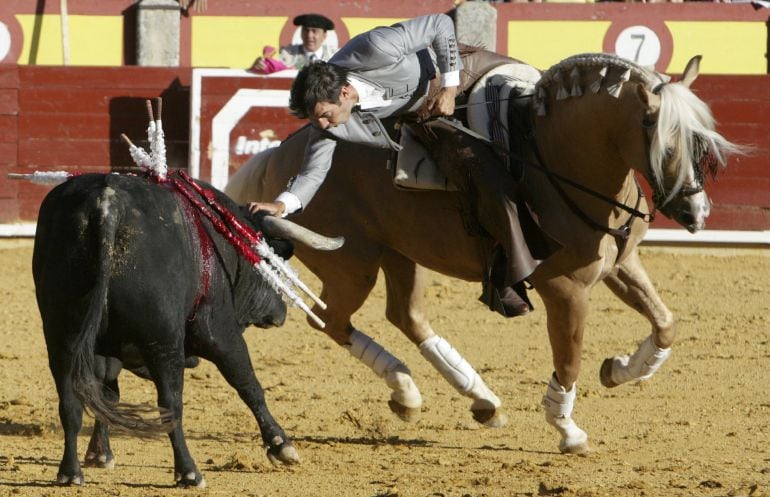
column 623, row 232
column 659, row 194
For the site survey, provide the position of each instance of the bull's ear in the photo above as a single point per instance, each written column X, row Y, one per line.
column 691, row 71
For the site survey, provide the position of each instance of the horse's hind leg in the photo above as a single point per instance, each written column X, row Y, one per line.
column 630, row 282
column 345, row 292
column 405, row 292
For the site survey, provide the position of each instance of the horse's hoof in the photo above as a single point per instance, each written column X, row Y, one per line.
column 492, row 418
column 70, row 479
column 408, row 414
column 193, row 479
column 578, row 449
column 283, row 453
column 605, row 374
column 103, row 461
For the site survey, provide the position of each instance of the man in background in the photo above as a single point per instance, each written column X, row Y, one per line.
column 314, row 30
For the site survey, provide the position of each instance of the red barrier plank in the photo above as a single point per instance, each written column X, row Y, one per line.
column 55, row 153
column 741, row 191
column 8, row 154
column 755, row 111
column 9, row 126
column 90, row 101
column 9, row 77
column 107, row 78
column 227, row 86
column 9, row 211
column 34, row 126
column 727, row 87
column 9, row 101
column 8, row 188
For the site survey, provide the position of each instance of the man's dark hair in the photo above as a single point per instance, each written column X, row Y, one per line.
column 316, row 82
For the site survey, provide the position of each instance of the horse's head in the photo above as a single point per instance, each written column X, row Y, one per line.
column 683, row 148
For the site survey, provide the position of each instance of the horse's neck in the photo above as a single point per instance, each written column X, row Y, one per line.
column 585, row 139
column 581, row 139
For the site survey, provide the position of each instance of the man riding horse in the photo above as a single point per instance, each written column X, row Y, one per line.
column 392, row 72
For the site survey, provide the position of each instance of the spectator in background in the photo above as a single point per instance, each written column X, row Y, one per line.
column 312, row 48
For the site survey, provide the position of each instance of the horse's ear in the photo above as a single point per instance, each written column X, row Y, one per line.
column 691, row 71
column 649, row 99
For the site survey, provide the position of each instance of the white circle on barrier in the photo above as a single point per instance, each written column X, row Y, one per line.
column 5, row 41
column 638, row 44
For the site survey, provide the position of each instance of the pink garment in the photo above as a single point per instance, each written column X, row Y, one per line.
column 273, row 65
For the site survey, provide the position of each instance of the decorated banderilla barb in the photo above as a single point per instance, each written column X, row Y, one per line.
column 248, row 243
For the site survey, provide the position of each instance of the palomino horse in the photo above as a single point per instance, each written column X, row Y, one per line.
column 614, row 119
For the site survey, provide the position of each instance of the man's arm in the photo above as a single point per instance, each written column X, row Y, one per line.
column 384, row 46
column 318, row 159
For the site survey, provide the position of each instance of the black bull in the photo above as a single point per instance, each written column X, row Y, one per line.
column 128, row 274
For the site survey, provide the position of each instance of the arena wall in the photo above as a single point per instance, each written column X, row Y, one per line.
column 71, row 118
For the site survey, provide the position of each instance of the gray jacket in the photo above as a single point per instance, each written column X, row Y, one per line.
column 398, row 59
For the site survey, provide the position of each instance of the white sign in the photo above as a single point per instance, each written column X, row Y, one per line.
column 5, row 41
column 638, row 44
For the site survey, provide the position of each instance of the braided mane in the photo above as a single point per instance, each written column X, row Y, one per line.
column 683, row 137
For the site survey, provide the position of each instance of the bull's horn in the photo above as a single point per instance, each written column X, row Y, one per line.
column 283, row 228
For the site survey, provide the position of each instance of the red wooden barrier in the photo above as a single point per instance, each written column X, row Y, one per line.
column 55, row 118
column 70, row 119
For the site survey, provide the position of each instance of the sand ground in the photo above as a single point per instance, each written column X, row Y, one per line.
column 700, row 427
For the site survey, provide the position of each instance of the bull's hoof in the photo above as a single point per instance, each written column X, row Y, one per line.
column 193, row 479
column 605, row 374
column 70, row 479
column 103, row 461
column 408, row 414
column 282, row 452
column 491, row 418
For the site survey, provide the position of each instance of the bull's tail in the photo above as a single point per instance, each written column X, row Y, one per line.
column 87, row 387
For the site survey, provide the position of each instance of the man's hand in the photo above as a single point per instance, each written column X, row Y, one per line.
column 273, row 208
column 442, row 104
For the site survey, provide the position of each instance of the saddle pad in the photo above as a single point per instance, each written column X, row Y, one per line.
column 415, row 169
column 507, row 77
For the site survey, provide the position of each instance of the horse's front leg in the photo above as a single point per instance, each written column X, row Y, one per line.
column 630, row 282
column 405, row 282
column 345, row 292
column 566, row 304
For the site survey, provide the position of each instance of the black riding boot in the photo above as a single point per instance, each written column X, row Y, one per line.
column 510, row 301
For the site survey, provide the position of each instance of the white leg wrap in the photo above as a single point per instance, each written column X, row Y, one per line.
column 641, row 365
column 558, row 403
column 386, row 366
column 458, row 372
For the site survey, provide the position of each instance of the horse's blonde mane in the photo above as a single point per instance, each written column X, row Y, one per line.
column 685, row 124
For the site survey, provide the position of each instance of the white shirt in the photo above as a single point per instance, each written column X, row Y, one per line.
column 318, row 55
column 369, row 97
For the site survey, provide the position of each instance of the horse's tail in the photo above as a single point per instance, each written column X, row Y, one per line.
column 246, row 183
column 87, row 387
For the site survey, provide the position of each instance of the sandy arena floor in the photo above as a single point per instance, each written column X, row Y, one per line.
column 701, row 427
